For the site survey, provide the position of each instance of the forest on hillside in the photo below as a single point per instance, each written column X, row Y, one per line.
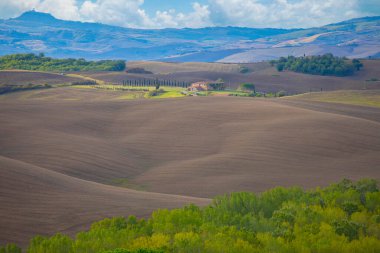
column 343, row 217
column 326, row 65
column 42, row 63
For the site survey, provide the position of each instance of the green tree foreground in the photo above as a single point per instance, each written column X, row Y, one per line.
column 42, row 63
column 344, row 217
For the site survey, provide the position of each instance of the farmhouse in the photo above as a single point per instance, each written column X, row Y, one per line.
column 206, row 86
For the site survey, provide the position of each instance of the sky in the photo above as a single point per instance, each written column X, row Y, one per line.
column 198, row 13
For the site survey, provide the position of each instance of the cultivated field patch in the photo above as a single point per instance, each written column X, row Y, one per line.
column 168, row 67
column 357, row 97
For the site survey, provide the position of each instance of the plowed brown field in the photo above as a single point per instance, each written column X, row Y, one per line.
column 61, row 160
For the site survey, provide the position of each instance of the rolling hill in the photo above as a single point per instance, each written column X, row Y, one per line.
column 41, row 32
column 70, row 157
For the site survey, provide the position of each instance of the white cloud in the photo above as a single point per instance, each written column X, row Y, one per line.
column 250, row 13
column 63, row 9
column 199, row 17
column 10, row 9
column 115, row 12
column 281, row 13
column 129, row 13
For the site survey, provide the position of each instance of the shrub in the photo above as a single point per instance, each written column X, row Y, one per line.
column 10, row 248
column 281, row 93
column 156, row 92
column 280, row 67
column 248, row 87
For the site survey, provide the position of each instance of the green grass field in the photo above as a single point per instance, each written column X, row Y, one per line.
column 137, row 92
column 351, row 97
column 224, row 93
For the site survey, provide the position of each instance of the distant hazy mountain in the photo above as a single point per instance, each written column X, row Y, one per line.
column 40, row 32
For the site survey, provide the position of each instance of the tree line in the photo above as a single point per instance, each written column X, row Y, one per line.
column 327, row 64
column 42, row 63
column 343, row 217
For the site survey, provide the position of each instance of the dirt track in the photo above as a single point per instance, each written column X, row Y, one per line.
column 57, row 155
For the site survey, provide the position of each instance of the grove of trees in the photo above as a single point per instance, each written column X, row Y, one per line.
column 319, row 65
column 42, row 63
column 343, row 217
